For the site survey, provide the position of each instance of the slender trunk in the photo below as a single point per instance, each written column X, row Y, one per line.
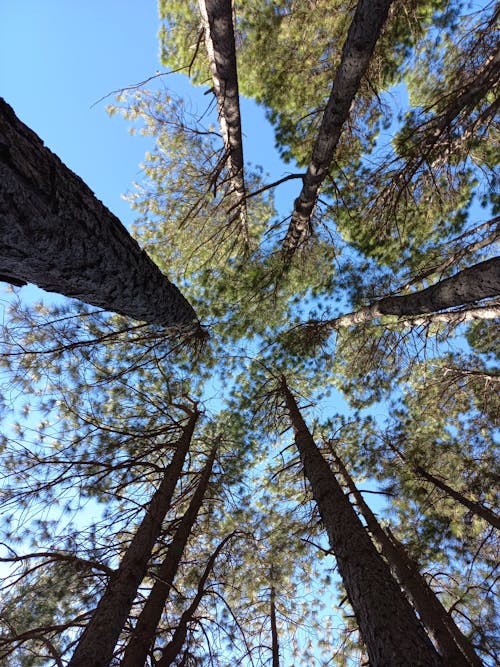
column 56, row 234
column 476, row 508
column 217, row 19
column 172, row 650
column 357, row 51
column 274, row 629
column 388, row 625
column 452, row 645
column 140, row 643
column 97, row 643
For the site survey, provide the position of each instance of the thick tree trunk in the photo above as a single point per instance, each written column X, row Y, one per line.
column 388, row 625
column 476, row 508
column 143, row 635
column 217, row 19
column 99, row 639
column 56, row 234
column 274, row 630
column 452, row 645
column 477, row 282
column 357, row 51
column 173, row 648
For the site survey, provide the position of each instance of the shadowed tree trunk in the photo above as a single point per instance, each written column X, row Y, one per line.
column 99, row 639
column 217, row 19
column 357, row 51
column 172, row 650
column 476, row 508
column 274, row 629
column 452, row 645
column 388, row 625
column 56, row 234
column 144, row 632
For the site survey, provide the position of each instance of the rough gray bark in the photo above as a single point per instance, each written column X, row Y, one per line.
column 388, row 625
column 452, row 645
column 217, row 19
column 144, row 632
column 97, row 643
column 357, row 51
column 56, row 234
column 174, row 646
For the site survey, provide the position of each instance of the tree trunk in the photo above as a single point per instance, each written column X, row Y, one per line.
column 357, row 51
column 56, row 234
column 174, row 646
column 452, row 645
column 274, row 630
column 99, row 639
column 477, row 282
column 140, row 643
column 217, row 19
column 476, row 508
column 388, row 625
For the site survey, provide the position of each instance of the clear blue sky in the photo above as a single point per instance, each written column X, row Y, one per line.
column 58, row 57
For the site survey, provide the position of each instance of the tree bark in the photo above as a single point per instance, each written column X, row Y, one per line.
column 357, row 51
column 452, row 645
column 388, row 625
column 97, row 643
column 174, row 646
column 56, row 234
column 217, row 19
column 274, row 629
column 140, row 643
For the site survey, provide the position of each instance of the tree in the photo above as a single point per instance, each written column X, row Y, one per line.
column 384, row 323
column 57, row 235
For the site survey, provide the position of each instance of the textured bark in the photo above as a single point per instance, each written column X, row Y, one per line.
column 452, row 645
column 217, row 19
column 477, row 282
column 56, row 234
column 97, row 643
column 143, row 635
column 174, row 646
column 388, row 625
column 357, row 51
column 274, row 630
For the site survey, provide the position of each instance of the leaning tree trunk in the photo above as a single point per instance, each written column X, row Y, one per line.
column 451, row 643
column 357, row 51
column 388, row 625
column 56, row 234
column 140, row 643
column 476, row 508
column 174, row 647
column 217, row 18
column 99, row 639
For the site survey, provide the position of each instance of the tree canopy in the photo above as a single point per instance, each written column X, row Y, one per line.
column 311, row 478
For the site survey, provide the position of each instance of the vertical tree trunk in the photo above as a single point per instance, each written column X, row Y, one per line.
column 364, row 31
column 172, row 650
column 54, row 233
column 140, row 643
column 452, row 645
column 388, row 625
column 476, row 508
column 274, row 629
column 97, row 643
column 217, row 18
